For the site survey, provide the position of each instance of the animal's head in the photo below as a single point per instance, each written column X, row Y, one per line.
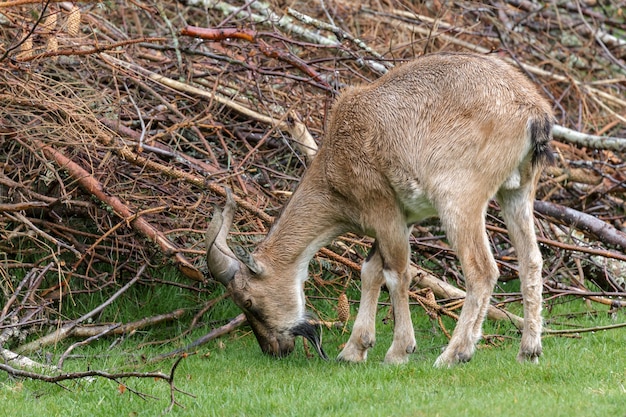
column 272, row 301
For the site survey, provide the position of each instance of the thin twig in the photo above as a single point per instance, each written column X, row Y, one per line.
column 85, row 342
column 213, row 334
column 66, row 330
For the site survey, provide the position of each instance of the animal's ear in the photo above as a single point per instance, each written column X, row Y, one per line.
column 248, row 260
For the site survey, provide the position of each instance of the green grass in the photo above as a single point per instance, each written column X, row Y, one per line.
column 583, row 376
column 578, row 377
column 230, row 377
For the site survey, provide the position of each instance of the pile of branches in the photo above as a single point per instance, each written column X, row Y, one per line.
column 121, row 124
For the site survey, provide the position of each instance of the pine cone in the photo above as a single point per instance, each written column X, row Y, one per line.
column 49, row 23
column 26, row 48
column 73, row 21
column 52, row 46
column 343, row 308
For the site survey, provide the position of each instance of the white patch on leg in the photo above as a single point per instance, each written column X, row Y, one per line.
column 391, row 279
column 513, row 182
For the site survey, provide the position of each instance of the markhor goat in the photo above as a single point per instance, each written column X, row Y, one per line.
column 438, row 136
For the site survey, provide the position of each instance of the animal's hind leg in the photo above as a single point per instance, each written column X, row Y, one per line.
column 363, row 333
column 466, row 231
column 517, row 210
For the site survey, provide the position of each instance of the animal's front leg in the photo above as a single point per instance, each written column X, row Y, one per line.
column 363, row 334
column 403, row 334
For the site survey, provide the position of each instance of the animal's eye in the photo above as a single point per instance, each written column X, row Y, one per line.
column 247, row 303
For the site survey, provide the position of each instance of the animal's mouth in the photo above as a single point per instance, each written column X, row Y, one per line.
column 281, row 343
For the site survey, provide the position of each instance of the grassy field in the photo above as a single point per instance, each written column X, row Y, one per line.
column 583, row 376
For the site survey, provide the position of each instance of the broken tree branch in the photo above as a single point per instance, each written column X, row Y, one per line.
column 583, row 221
column 21, row 361
column 125, row 328
column 93, row 187
column 590, row 141
column 444, row 290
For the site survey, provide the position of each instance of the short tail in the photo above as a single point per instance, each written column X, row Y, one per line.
column 540, row 136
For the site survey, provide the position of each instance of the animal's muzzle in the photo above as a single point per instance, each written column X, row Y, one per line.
column 280, row 344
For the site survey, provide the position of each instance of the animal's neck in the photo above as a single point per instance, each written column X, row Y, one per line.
column 309, row 221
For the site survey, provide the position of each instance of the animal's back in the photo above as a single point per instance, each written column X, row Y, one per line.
column 439, row 122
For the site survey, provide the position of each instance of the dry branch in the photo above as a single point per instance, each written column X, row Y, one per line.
column 127, row 328
column 603, row 230
column 590, row 141
column 19, row 217
column 90, row 51
column 14, row 3
column 444, row 290
column 267, row 16
column 15, row 359
column 569, row 247
column 556, row 332
column 341, row 34
column 93, row 187
column 26, row 205
column 561, row 289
